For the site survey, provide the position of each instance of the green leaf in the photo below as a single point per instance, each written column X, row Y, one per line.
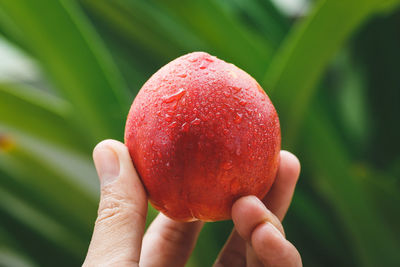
column 31, row 246
column 74, row 56
column 59, row 182
column 382, row 188
column 261, row 16
column 40, row 114
column 13, row 258
column 9, row 30
column 42, row 224
column 225, row 35
column 320, row 233
column 389, row 6
column 299, row 64
column 145, row 24
column 353, row 111
column 374, row 243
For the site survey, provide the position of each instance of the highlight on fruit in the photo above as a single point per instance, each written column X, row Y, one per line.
column 202, row 133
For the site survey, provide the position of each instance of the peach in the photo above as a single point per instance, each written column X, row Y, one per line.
column 202, row 133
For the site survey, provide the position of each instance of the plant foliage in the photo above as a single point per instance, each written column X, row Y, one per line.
column 332, row 74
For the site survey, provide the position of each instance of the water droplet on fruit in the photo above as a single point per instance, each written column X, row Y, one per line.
column 185, row 127
column 178, row 116
column 205, row 63
column 238, row 152
column 236, row 89
column 249, row 111
column 173, row 106
column 167, row 164
column 196, row 121
column 242, row 102
column 183, row 101
column 238, row 118
column 233, row 74
column 227, row 165
column 172, row 124
column 168, row 117
column 176, row 96
column 203, row 116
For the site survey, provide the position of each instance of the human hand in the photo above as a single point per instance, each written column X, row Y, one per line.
column 119, row 240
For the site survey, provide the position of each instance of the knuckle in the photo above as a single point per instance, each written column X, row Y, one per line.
column 173, row 234
column 112, row 207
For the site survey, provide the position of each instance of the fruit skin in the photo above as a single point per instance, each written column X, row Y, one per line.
column 202, row 133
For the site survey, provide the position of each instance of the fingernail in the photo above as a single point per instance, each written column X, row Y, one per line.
column 274, row 229
column 107, row 165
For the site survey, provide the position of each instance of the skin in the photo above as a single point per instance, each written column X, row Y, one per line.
column 258, row 238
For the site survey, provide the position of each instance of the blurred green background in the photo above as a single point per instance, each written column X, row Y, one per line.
column 69, row 71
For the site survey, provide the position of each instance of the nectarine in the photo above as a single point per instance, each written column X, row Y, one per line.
column 202, row 133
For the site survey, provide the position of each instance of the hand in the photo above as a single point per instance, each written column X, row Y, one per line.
column 119, row 240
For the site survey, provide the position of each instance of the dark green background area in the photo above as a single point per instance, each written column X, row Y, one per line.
column 332, row 73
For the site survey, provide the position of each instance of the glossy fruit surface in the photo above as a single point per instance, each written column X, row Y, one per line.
column 201, row 133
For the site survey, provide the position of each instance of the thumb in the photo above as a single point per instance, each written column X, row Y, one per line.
column 120, row 224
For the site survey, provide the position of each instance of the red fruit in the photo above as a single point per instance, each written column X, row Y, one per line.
column 202, row 133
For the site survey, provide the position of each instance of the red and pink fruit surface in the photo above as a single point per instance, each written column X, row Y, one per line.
column 202, row 133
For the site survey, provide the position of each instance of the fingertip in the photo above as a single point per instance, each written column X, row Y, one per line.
column 107, row 143
column 290, row 164
column 248, row 212
column 125, row 182
column 267, row 235
column 114, row 145
column 125, row 161
column 272, row 248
